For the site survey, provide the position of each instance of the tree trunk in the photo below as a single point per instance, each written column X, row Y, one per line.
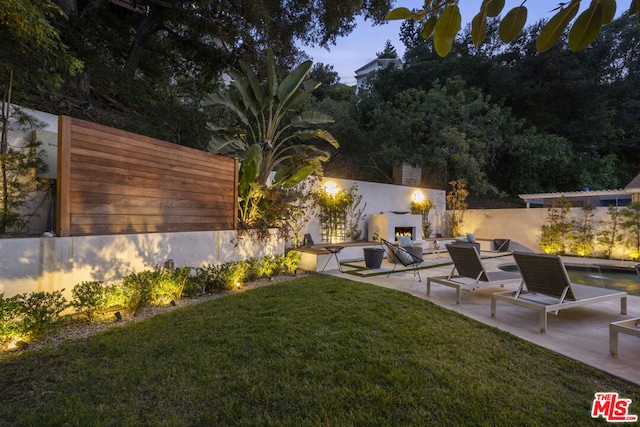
column 143, row 30
column 4, row 147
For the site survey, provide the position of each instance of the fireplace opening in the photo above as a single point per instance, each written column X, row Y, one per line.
column 405, row 231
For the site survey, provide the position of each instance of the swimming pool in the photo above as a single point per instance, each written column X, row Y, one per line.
column 611, row 277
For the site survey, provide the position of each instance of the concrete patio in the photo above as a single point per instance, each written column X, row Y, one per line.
column 580, row 333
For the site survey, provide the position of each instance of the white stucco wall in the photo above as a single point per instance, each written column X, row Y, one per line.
column 381, row 198
column 522, row 226
column 55, row 263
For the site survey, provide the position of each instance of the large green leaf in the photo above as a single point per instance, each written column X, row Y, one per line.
column 553, row 29
column 272, row 76
column 399, row 13
column 241, row 83
column 493, row 7
column 257, row 92
column 252, row 163
column 317, row 133
column 586, row 27
column 299, row 176
column 446, row 29
column 232, row 147
column 311, row 118
column 608, row 11
column 224, row 99
column 478, row 28
column 290, row 84
column 282, row 174
column 512, row 24
column 427, row 28
column 310, row 85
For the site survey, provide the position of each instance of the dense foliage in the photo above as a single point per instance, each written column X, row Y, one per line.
column 147, row 63
column 441, row 20
column 29, row 317
column 506, row 118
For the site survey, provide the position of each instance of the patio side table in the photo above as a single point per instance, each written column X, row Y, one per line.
column 629, row 327
column 334, row 250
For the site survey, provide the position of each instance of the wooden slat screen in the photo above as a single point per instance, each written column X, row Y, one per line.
column 116, row 182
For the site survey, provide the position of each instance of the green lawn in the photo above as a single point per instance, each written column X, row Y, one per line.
column 317, row 350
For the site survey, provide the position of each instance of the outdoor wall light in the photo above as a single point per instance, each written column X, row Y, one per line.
column 417, row 196
column 331, row 188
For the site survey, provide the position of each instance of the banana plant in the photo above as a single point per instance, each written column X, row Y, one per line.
column 268, row 116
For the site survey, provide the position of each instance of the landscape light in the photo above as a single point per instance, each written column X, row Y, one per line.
column 331, row 188
column 417, row 196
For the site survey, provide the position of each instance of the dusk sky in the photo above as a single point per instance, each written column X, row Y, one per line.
column 361, row 46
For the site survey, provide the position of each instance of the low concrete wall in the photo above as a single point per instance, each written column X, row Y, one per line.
column 54, row 263
column 522, row 226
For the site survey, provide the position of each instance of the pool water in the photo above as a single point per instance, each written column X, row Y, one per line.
column 606, row 278
column 623, row 279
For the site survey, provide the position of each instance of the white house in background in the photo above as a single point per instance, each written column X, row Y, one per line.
column 376, row 64
column 598, row 198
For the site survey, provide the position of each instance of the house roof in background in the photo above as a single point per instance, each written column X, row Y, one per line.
column 570, row 194
column 634, row 185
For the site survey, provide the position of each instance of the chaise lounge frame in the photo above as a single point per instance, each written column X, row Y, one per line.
column 398, row 254
column 546, row 288
column 471, row 272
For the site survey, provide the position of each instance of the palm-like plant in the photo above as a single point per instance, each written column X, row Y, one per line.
column 266, row 113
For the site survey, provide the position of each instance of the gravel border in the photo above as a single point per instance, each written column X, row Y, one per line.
column 84, row 330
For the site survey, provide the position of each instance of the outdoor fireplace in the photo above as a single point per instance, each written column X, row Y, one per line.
column 392, row 225
column 405, row 231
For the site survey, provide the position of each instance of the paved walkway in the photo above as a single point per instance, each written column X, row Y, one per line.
column 580, row 333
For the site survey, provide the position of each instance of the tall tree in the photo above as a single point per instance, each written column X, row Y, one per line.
column 270, row 116
column 441, row 19
column 452, row 131
column 389, row 51
column 148, row 62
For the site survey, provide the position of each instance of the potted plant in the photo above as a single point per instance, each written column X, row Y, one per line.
column 373, row 256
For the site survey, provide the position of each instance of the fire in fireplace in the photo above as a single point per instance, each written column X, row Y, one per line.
column 405, row 231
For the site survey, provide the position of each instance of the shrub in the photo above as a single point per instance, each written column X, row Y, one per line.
column 192, row 286
column 11, row 327
column 556, row 231
column 137, row 289
column 114, row 296
column 254, row 269
column 272, row 265
column 41, row 311
column 291, row 261
column 631, row 225
column 149, row 287
column 583, row 233
column 223, row 276
column 89, row 298
column 169, row 284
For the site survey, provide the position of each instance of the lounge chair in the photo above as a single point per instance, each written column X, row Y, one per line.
column 546, row 287
column 399, row 255
column 471, row 272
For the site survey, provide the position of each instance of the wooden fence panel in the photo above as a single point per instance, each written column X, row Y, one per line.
column 116, row 182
